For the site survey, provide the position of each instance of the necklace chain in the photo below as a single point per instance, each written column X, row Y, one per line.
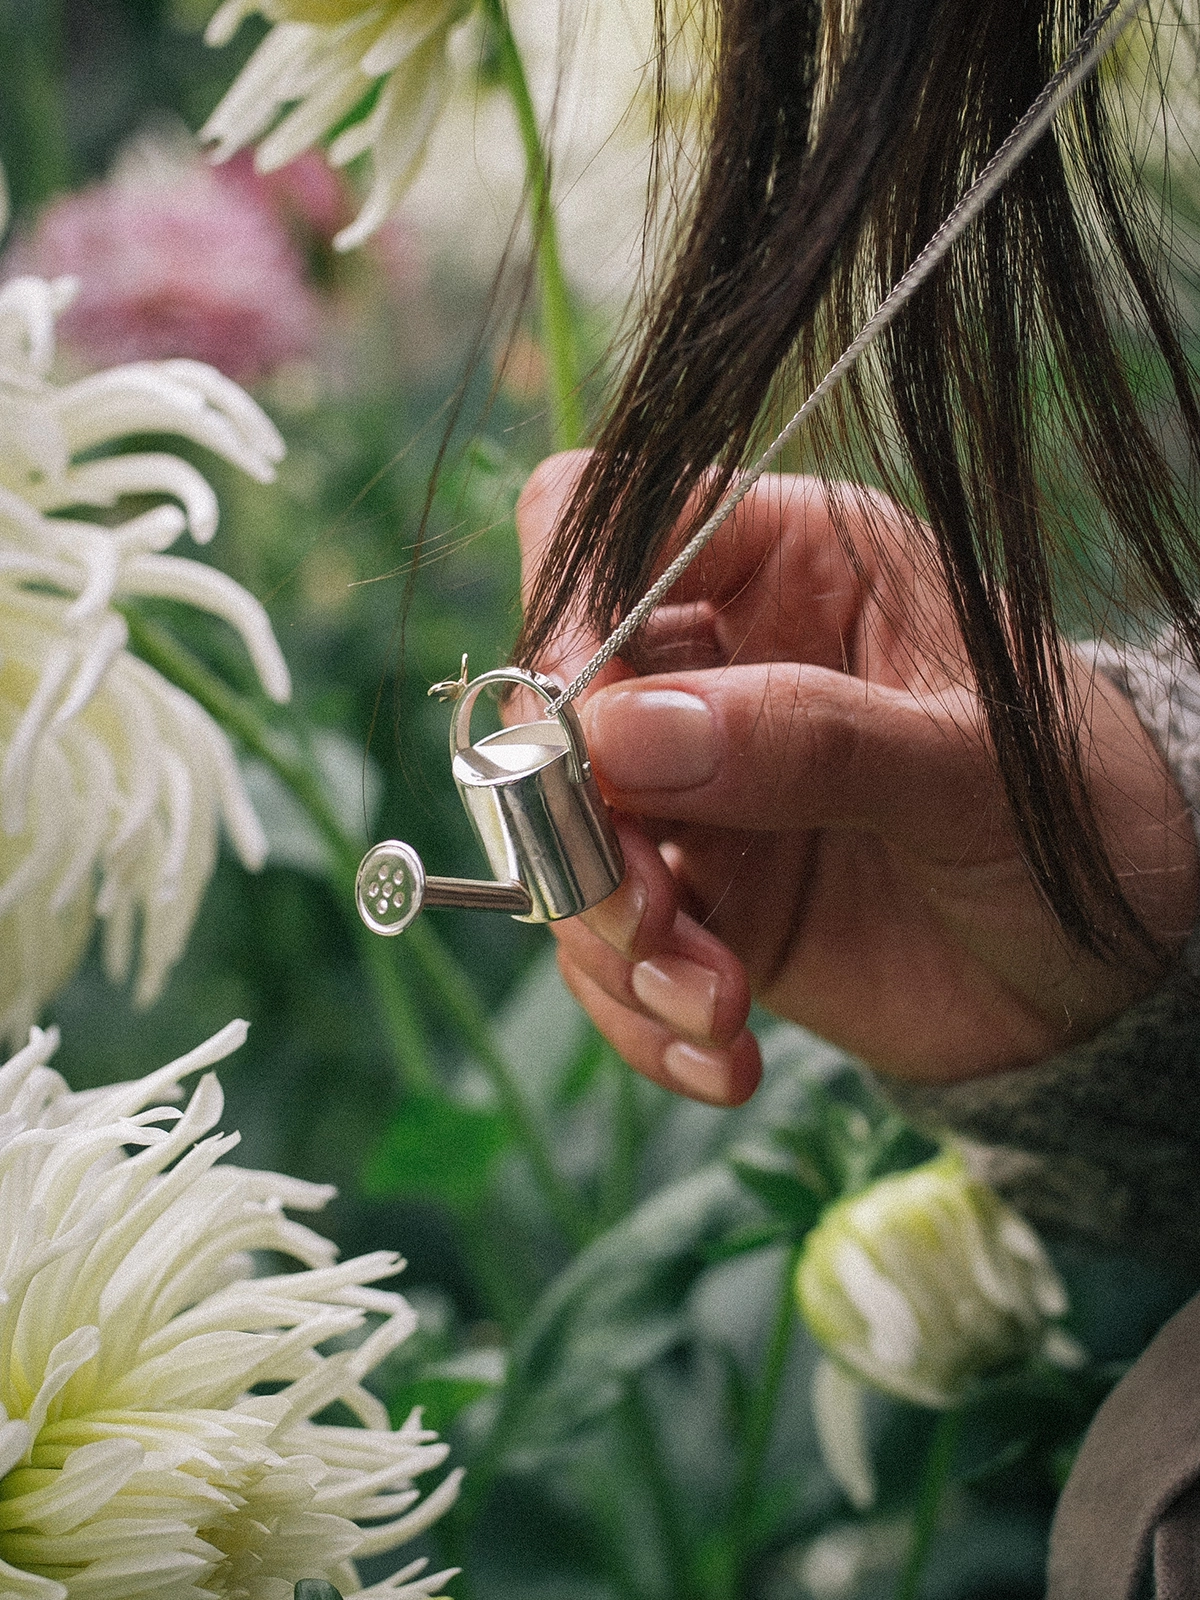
column 1094, row 44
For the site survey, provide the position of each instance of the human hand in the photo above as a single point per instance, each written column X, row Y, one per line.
column 811, row 813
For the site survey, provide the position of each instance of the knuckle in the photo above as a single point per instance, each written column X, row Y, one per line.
column 834, row 736
column 546, row 486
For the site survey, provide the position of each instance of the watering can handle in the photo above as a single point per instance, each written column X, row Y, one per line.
column 547, row 689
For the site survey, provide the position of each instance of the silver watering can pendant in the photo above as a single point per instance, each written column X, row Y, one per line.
column 536, row 810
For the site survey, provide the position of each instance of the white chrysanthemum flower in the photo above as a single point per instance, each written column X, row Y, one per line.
column 919, row 1286
column 325, row 59
column 112, row 781
column 927, row 1280
column 156, row 1401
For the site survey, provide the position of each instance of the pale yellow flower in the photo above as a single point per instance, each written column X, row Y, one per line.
column 325, row 59
column 156, row 1400
column 926, row 1280
column 919, row 1286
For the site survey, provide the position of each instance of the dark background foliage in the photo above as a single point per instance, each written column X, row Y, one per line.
column 619, row 1371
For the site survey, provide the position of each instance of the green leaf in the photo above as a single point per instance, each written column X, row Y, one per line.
column 625, row 1301
column 745, row 1241
column 594, row 1053
column 316, row 1589
column 618, row 1307
column 841, row 1146
column 896, row 1147
column 543, row 1028
column 776, row 1183
column 817, row 1148
column 437, row 1149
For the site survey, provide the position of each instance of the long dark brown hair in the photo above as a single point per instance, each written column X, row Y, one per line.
column 839, row 136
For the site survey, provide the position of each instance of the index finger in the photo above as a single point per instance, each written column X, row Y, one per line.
column 793, row 570
column 785, row 575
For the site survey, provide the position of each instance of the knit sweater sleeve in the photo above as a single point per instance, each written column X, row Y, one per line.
column 1104, row 1140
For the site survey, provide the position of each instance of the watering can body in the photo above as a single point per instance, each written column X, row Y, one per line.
column 536, row 810
column 535, row 806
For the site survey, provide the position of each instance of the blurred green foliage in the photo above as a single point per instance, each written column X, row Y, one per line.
column 622, row 1378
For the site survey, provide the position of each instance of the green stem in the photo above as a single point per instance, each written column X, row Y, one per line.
column 760, row 1419
column 396, row 1005
column 237, row 716
column 488, row 1267
column 450, row 983
column 558, row 329
column 620, row 1179
column 642, row 1437
column 33, row 120
column 933, row 1483
column 460, row 1002
column 609, row 1544
column 477, row 1484
column 643, row 1455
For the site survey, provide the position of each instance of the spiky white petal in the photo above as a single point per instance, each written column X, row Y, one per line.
column 839, row 1413
column 112, row 782
column 321, row 61
column 400, row 125
column 136, row 1457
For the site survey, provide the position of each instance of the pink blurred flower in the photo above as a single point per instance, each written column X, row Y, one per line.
column 316, row 202
column 396, row 253
column 176, row 260
column 307, row 194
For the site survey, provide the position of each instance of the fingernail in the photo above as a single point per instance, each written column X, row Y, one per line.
column 618, row 918
column 680, row 993
column 703, row 1074
column 654, row 738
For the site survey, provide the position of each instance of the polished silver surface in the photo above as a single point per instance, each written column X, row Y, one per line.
column 393, row 886
column 478, row 894
column 530, row 793
column 390, row 887
column 536, row 809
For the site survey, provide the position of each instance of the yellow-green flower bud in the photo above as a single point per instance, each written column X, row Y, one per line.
column 926, row 1280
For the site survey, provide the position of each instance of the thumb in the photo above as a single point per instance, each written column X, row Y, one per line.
column 776, row 746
